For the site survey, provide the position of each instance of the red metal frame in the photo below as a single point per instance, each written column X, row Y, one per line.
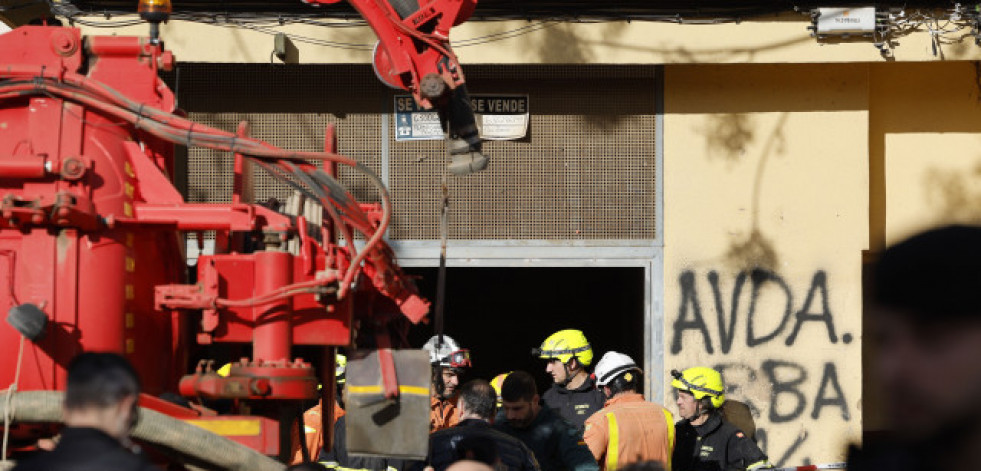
column 414, row 52
column 92, row 228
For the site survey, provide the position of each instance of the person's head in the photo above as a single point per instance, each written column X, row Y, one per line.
column 102, row 392
column 700, row 391
column 520, row 397
column 449, row 361
column 617, row 373
column 478, row 448
column 927, row 329
column 307, row 467
column 469, row 465
column 478, row 400
column 567, row 353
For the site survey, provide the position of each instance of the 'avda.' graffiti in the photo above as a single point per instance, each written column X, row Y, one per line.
column 782, row 388
column 690, row 315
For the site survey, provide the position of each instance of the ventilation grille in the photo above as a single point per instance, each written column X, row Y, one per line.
column 210, row 172
column 586, row 170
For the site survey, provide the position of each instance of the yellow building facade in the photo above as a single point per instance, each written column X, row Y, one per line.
column 784, row 166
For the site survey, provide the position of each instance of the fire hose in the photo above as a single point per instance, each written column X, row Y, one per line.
column 153, row 427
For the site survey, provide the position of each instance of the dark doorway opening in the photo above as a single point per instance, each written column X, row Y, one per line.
column 500, row 314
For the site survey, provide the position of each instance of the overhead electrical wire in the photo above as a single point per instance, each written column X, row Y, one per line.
column 267, row 22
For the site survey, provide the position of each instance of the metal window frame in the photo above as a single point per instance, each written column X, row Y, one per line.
column 565, row 254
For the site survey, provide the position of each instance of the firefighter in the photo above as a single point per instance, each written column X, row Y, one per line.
column 449, row 361
column 557, row 445
column 627, row 429
column 312, row 418
column 573, row 393
column 704, row 441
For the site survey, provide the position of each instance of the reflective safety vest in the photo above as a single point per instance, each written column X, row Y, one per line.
column 629, row 429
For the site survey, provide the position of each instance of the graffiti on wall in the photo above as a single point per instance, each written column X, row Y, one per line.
column 762, row 334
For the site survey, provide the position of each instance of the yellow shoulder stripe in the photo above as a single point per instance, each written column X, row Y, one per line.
column 614, row 443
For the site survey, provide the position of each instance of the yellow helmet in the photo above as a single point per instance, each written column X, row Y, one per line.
column 497, row 383
column 340, row 368
column 564, row 345
column 701, row 382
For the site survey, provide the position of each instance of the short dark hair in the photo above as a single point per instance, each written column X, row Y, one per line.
column 98, row 379
column 309, row 466
column 519, row 386
column 479, row 398
column 622, row 384
column 934, row 275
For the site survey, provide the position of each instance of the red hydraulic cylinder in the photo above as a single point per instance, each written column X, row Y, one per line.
column 11, row 167
column 272, row 338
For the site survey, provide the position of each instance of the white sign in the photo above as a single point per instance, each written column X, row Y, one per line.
column 844, row 21
column 499, row 117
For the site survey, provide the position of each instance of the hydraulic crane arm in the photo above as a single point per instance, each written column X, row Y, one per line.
column 414, row 54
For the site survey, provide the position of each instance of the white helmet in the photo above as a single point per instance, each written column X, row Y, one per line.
column 612, row 365
column 449, row 354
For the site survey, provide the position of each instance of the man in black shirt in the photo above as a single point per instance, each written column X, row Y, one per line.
column 556, row 444
column 101, row 408
column 474, row 438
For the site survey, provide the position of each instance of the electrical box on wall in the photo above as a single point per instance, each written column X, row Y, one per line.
column 845, row 21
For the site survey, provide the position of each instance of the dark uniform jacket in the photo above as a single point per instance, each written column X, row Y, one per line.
column 715, row 445
column 86, row 449
column 449, row 445
column 337, row 457
column 557, row 445
column 575, row 405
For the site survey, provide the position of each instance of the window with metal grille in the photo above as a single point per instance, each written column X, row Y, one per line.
column 584, row 172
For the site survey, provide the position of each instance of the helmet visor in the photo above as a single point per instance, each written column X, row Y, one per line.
column 458, row 359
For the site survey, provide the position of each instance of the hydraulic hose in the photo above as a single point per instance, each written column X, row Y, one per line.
column 103, row 99
column 156, row 428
